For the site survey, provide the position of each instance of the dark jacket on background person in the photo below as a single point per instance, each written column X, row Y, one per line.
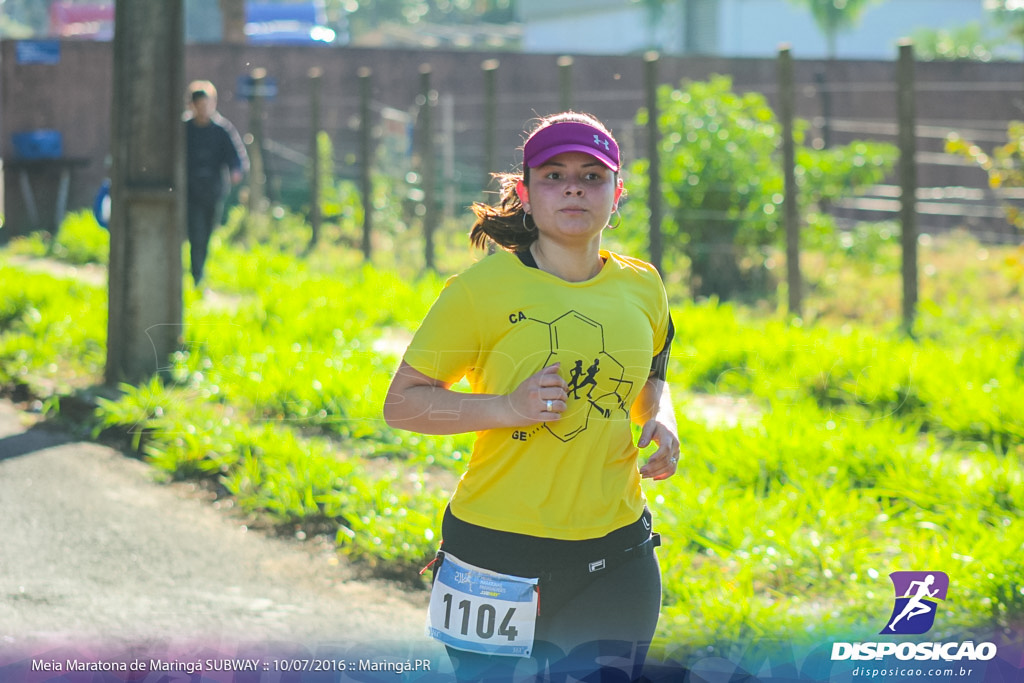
column 209, row 150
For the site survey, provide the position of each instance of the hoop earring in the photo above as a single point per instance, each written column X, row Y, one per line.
column 617, row 223
column 526, row 227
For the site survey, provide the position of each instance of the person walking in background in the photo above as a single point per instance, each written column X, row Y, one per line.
column 547, row 565
column 215, row 161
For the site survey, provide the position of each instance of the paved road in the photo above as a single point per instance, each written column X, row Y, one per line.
column 95, row 554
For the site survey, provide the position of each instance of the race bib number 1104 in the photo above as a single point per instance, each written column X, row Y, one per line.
column 481, row 611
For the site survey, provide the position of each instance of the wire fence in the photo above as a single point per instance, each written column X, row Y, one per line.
column 954, row 191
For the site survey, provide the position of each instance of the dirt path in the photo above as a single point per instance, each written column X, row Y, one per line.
column 97, row 556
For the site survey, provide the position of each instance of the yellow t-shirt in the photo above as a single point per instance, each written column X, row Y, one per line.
column 501, row 321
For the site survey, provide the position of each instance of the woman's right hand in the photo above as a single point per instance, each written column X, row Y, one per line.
column 420, row 403
column 541, row 397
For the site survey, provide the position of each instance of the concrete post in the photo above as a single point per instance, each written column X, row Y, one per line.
column 907, row 141
column 565, row 82
column 366, row 159
column 147, row 188
column 257, row 171
column 315, row 180
column 654, row 198
column 428, row 166
column 787, row 107
column 490, row 71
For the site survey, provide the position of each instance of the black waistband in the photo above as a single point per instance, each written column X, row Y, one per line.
column 532, row 556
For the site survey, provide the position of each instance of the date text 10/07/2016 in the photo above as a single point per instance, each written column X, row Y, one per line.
column 393, row 666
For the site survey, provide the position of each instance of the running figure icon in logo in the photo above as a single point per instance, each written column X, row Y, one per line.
column 917, row 594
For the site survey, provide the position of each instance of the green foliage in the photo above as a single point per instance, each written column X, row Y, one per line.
column 965, row 42
column 837, row 172
column 79, row 241
column 365, row 17
column 342, row 204
column 51, row 331
column 722, row 181
column 834, row 16
column 23, row 19
column 1004, row 166
column 1010, row 15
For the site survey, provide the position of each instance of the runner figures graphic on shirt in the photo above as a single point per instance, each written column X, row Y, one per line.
column 575, row 385
column 598, row 386
column 916, row 605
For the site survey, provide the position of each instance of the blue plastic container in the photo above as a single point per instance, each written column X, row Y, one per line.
column 38, row 144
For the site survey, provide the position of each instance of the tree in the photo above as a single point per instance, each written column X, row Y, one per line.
column 655, row 18
column 834, row 16
column 364, row 17
column 233, row 17
column 1010, row 14
column 966, row 42
column 23, row 18
column 722, row 183
column 1004, row 166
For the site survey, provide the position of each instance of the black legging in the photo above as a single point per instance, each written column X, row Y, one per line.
column 608, row 615
column 203, row 217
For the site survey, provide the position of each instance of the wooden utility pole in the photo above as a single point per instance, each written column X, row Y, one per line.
column 790, row 201
column 908, row 178
column 144, row 324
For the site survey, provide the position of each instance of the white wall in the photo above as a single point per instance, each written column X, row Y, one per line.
column 745, row 28
column 755, row 28
column 619, row 30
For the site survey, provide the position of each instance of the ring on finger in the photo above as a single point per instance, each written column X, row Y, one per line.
column 549, row 404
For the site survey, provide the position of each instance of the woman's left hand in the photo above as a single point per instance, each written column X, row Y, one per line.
column 662, row 464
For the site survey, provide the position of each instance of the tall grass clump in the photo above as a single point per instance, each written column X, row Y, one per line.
column 80, row 240
column 52, row 331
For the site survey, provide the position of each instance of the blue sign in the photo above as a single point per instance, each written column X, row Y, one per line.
column 246, row 88
column 38, row 51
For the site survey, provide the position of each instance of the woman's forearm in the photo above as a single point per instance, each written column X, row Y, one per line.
column 419, row 403
column 654, row 401
column 438, row 410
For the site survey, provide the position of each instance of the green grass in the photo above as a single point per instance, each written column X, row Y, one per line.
column 859, row 451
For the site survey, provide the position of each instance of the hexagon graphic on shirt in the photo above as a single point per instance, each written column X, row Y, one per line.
column 597, row 384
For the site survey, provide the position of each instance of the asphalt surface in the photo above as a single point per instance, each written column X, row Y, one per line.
column 96, row 554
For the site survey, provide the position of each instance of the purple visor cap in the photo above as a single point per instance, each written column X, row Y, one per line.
column 570, row 136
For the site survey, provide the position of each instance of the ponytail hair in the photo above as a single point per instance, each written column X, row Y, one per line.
column 506, row 223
